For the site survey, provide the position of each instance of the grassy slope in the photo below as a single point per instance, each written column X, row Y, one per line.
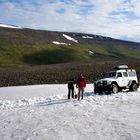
column 12, row 55
column 30, row 47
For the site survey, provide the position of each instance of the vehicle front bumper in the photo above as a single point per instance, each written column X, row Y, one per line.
column 101, row 88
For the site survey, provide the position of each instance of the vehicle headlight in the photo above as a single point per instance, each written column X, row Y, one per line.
column 104, row 82
column 108, row 82
column 95, row 82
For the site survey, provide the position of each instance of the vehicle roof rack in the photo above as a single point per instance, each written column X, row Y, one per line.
column 120, row 67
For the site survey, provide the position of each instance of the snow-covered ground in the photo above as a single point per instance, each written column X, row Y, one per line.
column 43, row 112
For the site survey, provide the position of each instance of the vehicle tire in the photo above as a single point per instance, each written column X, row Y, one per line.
column 133, row 87
column 114, row 88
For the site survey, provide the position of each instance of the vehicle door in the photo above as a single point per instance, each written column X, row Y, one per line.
column 125, row 79
column 120, row 79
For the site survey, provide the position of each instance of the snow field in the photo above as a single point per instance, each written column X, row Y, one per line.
column 46, row 113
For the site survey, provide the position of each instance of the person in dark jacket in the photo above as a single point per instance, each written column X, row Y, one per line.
column 71, row 83
column 81, row 84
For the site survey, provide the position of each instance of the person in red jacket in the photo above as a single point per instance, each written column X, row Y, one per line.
column 81, row 84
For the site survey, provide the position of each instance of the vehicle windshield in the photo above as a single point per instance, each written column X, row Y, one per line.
column 109, row 74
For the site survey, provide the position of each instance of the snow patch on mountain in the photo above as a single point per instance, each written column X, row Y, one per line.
column 89, row 37
column 10, row 26
column 60, row 43
column 90, row 52
column 70, row 38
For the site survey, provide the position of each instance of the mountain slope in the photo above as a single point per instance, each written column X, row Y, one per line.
column 24, row 47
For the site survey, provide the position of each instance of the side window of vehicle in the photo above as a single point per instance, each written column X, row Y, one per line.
column 125, row 74
column 132, row 74
column 119, row 74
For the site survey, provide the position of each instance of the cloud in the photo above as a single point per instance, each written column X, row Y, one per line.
column 119, row 19
column 136, row 6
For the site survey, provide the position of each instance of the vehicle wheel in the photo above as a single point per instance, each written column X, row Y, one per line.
column 133, row 87
column 115, row 88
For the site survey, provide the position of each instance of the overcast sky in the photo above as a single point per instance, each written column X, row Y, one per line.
column 114, row 18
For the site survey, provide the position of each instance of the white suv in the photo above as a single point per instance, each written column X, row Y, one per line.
column 114, row 81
